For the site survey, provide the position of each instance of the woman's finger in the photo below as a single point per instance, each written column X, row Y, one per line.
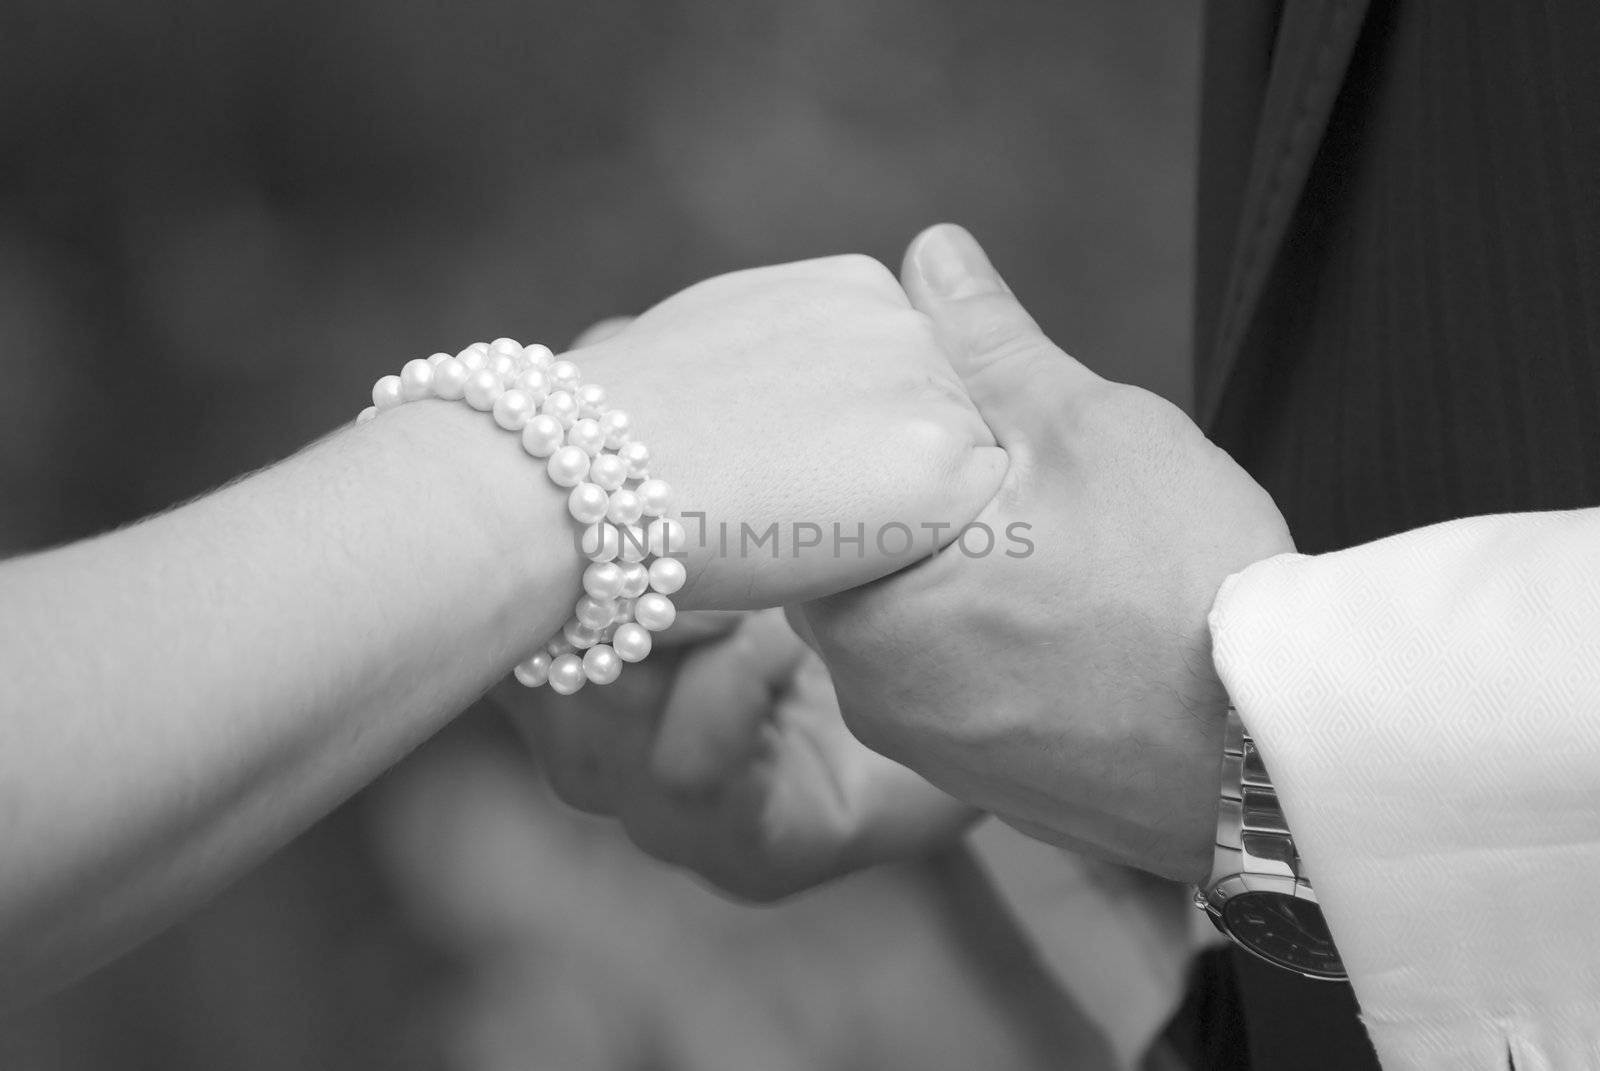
column 721, row 699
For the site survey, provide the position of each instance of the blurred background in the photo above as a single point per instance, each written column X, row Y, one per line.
column 218, row 223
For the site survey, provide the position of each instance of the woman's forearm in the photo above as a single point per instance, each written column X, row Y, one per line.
column 181, row 697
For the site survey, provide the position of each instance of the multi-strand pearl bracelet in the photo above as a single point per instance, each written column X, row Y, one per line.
column 630, row 535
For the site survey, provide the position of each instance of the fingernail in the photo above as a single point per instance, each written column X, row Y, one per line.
column 953, row 264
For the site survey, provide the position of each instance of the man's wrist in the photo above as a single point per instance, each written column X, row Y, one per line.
column 1205, row 700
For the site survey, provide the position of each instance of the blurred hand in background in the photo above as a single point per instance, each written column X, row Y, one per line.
column 727, row 755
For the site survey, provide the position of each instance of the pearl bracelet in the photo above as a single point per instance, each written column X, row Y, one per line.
column 589, row 447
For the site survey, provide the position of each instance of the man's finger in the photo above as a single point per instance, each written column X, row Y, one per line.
column 994, row 345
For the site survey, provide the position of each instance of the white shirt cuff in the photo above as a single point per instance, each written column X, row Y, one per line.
column 1428, row 707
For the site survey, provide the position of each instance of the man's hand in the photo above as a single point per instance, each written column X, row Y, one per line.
column 728, row 756
column 1068, row 689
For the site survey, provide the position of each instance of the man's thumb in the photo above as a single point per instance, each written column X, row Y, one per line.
column 994, row 345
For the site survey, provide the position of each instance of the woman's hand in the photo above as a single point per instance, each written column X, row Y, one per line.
column 801, row 404
column 729, row 757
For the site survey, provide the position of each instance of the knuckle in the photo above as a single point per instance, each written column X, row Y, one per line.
column 601, row 330
column 862, row 270
column 914, row 341
column 1149, row 407
column 1109, row 410
column 1096, row 408
column 932, row 439
column 917, row 326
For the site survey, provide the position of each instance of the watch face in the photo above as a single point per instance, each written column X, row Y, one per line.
column 1285, row 930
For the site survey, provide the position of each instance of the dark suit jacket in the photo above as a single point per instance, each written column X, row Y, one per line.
column 1398, row 292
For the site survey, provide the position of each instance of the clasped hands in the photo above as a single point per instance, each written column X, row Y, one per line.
column 1051, row 666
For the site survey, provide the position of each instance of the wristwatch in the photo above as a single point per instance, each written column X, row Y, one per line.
column 1258, row 893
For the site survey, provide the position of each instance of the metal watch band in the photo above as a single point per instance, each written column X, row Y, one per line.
column 1252, row 835
column 1259, row 894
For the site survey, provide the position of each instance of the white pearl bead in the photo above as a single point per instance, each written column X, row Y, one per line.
column 568, row 466
column 602, row 664
column 473, row 357
column 450, row 379
column 591, row 399
column 624, row 613
column 366, row 414
column 502, row 367
column 655, row 611
column 508, row 346
column 534, row 672
column 599, row 543
column 587, row 503
column 667, row 575
column 542, row 436
column 625, row 507
column 609, row 471
column 637, row 455
column 482, row 388
column 567, row 675
column 633, row 543
column 562, row 406
column 635, row 579
column 386, row 393
column 656, row 496
column 534, row 383
column 559, row 646
column 513, row 410
column 603, row 580
column 618, row 426
column 632, row 643
column 581, row 636
column 565, row 375
column 595, row 613
column 416, row 380
column 667, row 537
column 586, row 435
column 437, row 358
column 538, row 356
